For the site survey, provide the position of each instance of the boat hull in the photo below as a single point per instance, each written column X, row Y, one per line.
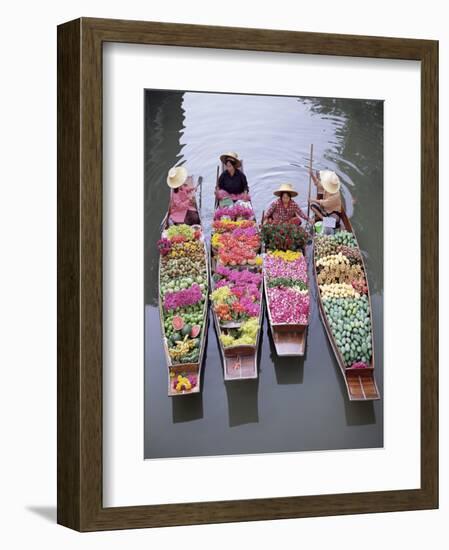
column 289, row 340
column 360, row 383
column 239, row 362
column 186, row 368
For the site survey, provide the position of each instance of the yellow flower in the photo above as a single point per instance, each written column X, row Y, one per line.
column 183, row 382
column 287, row 255
column 216, row 240
column 227, row 340
column 220, row 295
column 259, row 260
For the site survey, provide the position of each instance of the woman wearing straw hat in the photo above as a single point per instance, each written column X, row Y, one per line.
column 330, row 204
column 232, row 181
column 285, row 209
column 182, row 197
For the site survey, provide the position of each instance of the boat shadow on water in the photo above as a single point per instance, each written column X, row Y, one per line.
column 243, row 403
column 243, row 395
column 188, row 408
column 289, row 370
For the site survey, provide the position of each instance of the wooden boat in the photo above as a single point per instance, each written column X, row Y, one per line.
column 360, row 382
column 239, row 362
column 185, row 369
column 289, row 339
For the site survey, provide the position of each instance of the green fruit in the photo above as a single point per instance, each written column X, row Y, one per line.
column 176, row 337
column 186, row 330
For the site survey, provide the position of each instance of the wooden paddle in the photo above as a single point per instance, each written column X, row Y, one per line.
column 310, row 180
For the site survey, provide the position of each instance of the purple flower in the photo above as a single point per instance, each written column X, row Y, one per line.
column 247, row 232
column 234, row 212
column 182, row 298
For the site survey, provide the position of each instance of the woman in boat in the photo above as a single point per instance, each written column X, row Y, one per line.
column 285, row 209
column 182, row 197
column 328, row 184
column 232, row 182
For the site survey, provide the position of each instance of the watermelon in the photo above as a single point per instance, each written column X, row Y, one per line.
column 178, row 322
column 176, row 337
column 186, row 330
column 196, row 329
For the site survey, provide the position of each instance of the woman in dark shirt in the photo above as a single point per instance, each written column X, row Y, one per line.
column 232, row 180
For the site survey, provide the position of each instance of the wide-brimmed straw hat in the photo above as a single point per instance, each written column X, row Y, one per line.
column 285, row 188
column 233, row 156
column 176, row 176
column 330, row 181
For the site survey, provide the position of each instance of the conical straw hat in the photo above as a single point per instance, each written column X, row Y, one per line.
column 231, row 155
column 330, row 181
column 285, row 188
column 176, row 176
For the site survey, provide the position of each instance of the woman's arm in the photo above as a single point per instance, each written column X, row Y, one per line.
column 245, row 183
column 269, row 213
column 332, row 202
column 220, row 181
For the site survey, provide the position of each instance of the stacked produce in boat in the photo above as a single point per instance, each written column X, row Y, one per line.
column 183, row 292
column 344, row 293
column 285, row 268
column 236, row 298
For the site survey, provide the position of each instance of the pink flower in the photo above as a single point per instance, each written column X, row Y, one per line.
column 182, row 298
column 234, row 212
column 277, row 267
column 246, row 232
column 288, row 306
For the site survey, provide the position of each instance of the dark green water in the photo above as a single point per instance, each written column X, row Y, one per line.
column 296, row 404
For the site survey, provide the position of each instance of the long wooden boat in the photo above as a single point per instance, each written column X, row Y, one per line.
column 289, row 338
column 360, row 382
column 191, row 369
column 239, row 362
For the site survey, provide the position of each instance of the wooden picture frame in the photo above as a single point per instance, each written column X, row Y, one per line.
column 79, row 384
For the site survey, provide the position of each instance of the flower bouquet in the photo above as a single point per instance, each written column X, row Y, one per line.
column 287, row 291
column 284, row 236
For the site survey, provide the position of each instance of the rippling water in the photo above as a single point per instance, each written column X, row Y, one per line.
column 296, row 404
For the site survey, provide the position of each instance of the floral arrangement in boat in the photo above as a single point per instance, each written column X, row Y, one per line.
column 287, row 289
column 343, row 289
column 236, row 298
column 237, row 295
column 236, row 243
column 283, row 236
column 235, row 212
column 183, row 294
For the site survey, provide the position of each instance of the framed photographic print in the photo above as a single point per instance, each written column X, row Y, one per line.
column 247, row 274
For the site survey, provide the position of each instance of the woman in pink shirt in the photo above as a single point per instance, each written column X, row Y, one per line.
column 182, row 197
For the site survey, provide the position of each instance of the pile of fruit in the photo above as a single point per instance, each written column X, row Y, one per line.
column 236, row 297
column 287, row 290
column 349, row 319
column 343, row 290
column 337, row 268
column 183, row 291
